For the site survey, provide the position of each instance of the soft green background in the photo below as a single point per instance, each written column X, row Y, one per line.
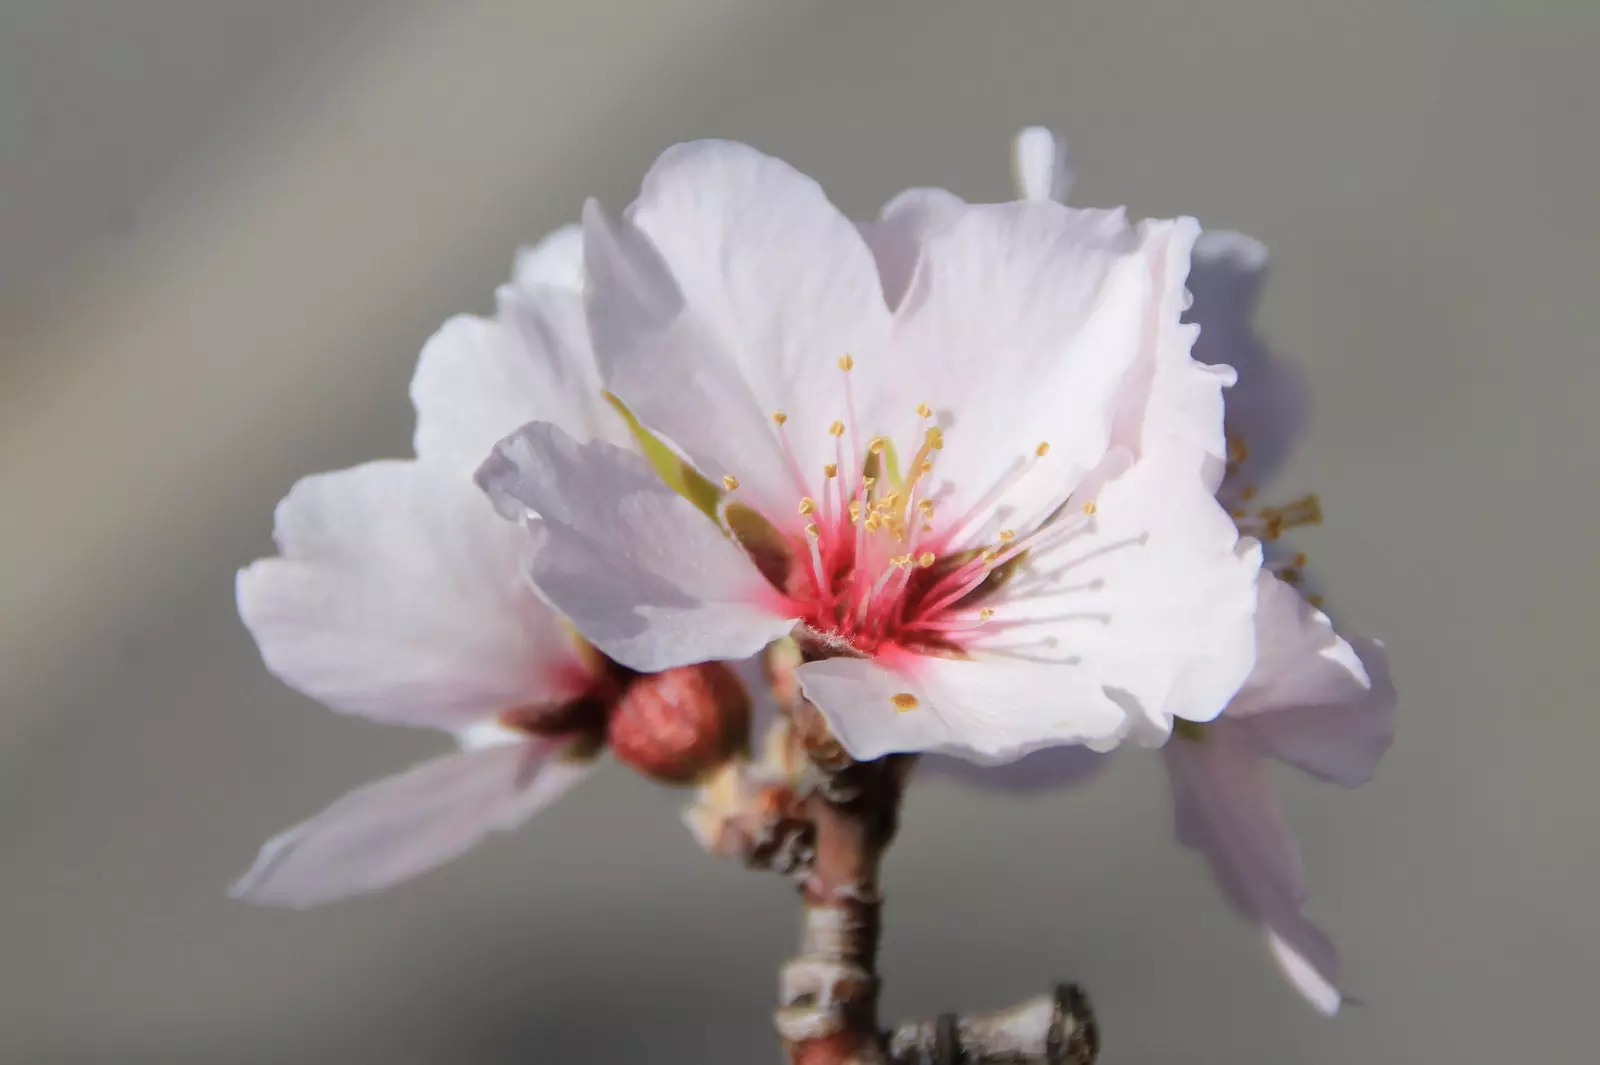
column 227, row 226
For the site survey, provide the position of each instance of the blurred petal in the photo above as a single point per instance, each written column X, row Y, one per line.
column 1341, row 741
column 397, row 596
column 555, row 262
column 1040, row 165
column 1226, row 808
column 396, row 828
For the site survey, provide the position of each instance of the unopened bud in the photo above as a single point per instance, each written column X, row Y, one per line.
column 680, row 725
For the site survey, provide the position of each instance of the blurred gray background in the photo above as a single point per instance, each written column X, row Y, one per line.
column 226, row 227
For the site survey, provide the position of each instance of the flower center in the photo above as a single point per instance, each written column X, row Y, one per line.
column 878, row 566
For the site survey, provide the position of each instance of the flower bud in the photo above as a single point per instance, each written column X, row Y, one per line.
column 679, row 725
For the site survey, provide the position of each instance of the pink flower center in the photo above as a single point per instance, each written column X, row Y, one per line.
column 878, row 567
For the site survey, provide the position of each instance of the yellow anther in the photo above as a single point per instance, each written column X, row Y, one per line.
column 730, row 482
column 925, row 508
column 1300, row 560
column 855, row 509
column 1248, row 494
column 925, row 469
column 807, row 505
column 900, row 560
column 877, row 444
column 812, row 530
column 1090, row 507
column 926, row 559
column 935, row 437
column 1043, row 449
column 846, row 363
column 1315, row 600
column 836, row 429
column 1237, row 451
column 868, row 482
column 831, row 470
column 778, row 417
column 1007, row 535
column 903, row 701
column 924, row 411
column 986, row 613
column 990, row 555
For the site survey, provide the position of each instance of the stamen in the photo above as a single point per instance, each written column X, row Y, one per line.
column 807, row 505
column 1043, row 449
column 924, row 411
column 830, row 471
column 730, row 482
column 836, row 429
column 1091, row 506
column 778, row 417
column 926, row 559
column 846, row 363
column 903, row 701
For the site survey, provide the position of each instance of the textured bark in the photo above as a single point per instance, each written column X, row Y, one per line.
column 1055, row 1029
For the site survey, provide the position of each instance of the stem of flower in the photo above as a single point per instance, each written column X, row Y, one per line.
column 829, row 990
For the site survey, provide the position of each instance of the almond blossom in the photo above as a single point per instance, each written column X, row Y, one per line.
column 398, row 595
column 1313, row 699
column 937, row 463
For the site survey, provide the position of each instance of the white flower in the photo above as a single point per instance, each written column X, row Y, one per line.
column 398, row 595
column 931, row 461
column 1312, row 699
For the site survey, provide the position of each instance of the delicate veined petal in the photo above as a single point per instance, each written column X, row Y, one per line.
column 407, row 824
column 1226, row 809
column 1152, row 596
column 1021, row 324
column 988, row 711
column 397, row 597
column 556, row 261
column 637, row 568
column 729, row 293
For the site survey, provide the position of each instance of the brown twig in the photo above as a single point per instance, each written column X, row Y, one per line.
column 829, row 990
column 1055, row 1029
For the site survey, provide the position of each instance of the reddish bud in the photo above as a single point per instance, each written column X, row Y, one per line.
column 679, row 725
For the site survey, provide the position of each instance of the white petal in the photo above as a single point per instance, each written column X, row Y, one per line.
column 1021, row 325
column 1269, row 407
column 555, row 262
column 407, row 824
column 1341, row 741
column 642, row 573
column 896, row 238
column 1303, row 973
column 1040, row 165
column 399, row 596
column 1170, row 396
column 758, row 287
column 987, row 712
column 1154, row 598
column 479, row 378
column 1226, row 808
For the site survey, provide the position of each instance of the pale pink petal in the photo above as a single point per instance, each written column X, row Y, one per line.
column 1226, row 808
column 1300, row 660
column 480, row 378
column 1040, row 165
column 1270, row 406
column 555, row 262
column 1153, row 596
column 399, row 596
column 643, row 574
column 735, row 295
column 989, row 712
column 896, row 238
column 1169, row 395
column 1020, row 327
column 407, row 824
column 1341, row 742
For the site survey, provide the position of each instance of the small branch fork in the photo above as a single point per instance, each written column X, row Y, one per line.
column 832, row 838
